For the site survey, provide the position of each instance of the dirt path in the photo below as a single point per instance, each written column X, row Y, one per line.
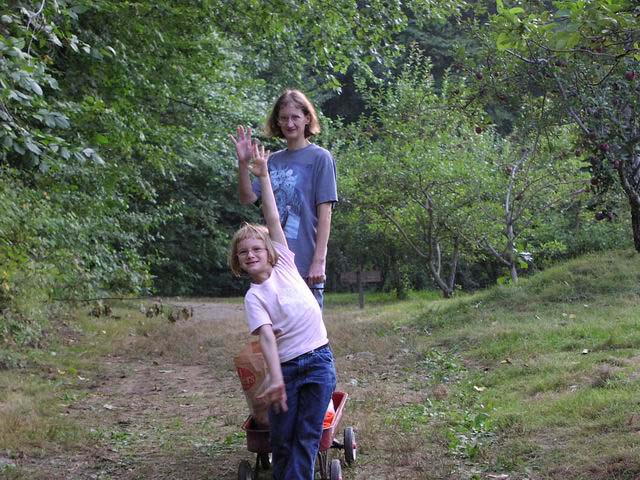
column 167, row 403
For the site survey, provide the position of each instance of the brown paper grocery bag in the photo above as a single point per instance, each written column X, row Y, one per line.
column 254, row 377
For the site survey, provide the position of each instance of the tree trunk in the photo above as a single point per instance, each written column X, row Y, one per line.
column 635, row 223
column 397, row 278
column 511, row 252
column 447, row 287
column 513, row 271
column 630, row 181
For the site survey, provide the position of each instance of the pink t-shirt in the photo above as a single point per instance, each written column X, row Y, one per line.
column 285, row 302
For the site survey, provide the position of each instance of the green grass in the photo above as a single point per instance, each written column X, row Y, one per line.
column 557, row 358
column 33, row 398
column 535, row 380
column 333, row 299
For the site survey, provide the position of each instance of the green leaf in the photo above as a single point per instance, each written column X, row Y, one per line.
column 32, row 147
column 55, row 40
column 101, row 139
column 97, row 159
column 503, row 41
column 62, row 121
column 17, row 147
column 50, row 121
column 73, row 43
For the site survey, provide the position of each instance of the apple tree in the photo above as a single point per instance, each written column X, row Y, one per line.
column 534, row 173
column 584, row 59
column 414, row 164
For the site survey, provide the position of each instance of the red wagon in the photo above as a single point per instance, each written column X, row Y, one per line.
column 330, row 469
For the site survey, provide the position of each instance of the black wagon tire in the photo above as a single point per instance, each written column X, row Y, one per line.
column 336, row 470
column 245, row 472
column 264, row 461
column 350, row 445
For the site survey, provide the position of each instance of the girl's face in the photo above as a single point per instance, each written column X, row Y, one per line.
column 254, row 259
column 292, row 121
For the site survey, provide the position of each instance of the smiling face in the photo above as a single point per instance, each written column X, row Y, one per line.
column 247, row 247
column 253, row 258
column 292, row 122
column 298, row 109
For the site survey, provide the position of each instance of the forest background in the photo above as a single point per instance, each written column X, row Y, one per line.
column 475, row 141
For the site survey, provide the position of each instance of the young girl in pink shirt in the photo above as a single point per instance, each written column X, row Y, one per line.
column 285, row 315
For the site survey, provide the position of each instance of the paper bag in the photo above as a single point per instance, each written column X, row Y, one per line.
column 254, row 377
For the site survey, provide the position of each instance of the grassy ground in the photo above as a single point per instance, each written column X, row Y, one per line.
column 549, row 385
column 535, row 381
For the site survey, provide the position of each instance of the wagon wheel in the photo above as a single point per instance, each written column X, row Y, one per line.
column 245, row 472
column 336, row 470
column 350, row 445
column 264, row 461
column 323, row 464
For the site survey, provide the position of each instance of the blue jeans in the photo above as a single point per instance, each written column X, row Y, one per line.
column 310, row 380
column 318, row 292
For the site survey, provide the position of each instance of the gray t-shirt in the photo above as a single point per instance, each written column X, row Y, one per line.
column 301, row 179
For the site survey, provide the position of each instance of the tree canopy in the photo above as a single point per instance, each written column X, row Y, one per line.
column 480, row 139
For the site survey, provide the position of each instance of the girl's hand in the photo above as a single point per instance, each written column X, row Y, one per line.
column 276, row 396
column 316, row 273
column 244, row 145
column 260, row 159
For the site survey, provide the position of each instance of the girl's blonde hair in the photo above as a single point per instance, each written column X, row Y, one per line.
column 253, row 231
column 300, row 100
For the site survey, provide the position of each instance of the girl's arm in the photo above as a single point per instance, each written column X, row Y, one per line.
column 269, row 207
column 275, row 394
column 244, row 151
column 318, row 263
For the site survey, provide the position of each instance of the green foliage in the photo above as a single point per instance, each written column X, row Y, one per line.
column 470, row 430
column 576, row 231
column 27, row 274
column 411, row 164
column 534, row 175
column 583, row 58
column 204, row 201
column 115, row 118
column 569, row 25
column 32, row 118
column 468, row 422
column 327, row 39
column 425, row 165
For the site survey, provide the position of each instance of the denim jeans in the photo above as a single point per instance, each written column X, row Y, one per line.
column 310, row 380
column 318, row 292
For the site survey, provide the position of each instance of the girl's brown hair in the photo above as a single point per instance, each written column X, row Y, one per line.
column 300, row 100
column 250, row 230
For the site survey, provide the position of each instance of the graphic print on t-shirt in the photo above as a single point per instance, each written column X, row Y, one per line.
column 288, row 199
